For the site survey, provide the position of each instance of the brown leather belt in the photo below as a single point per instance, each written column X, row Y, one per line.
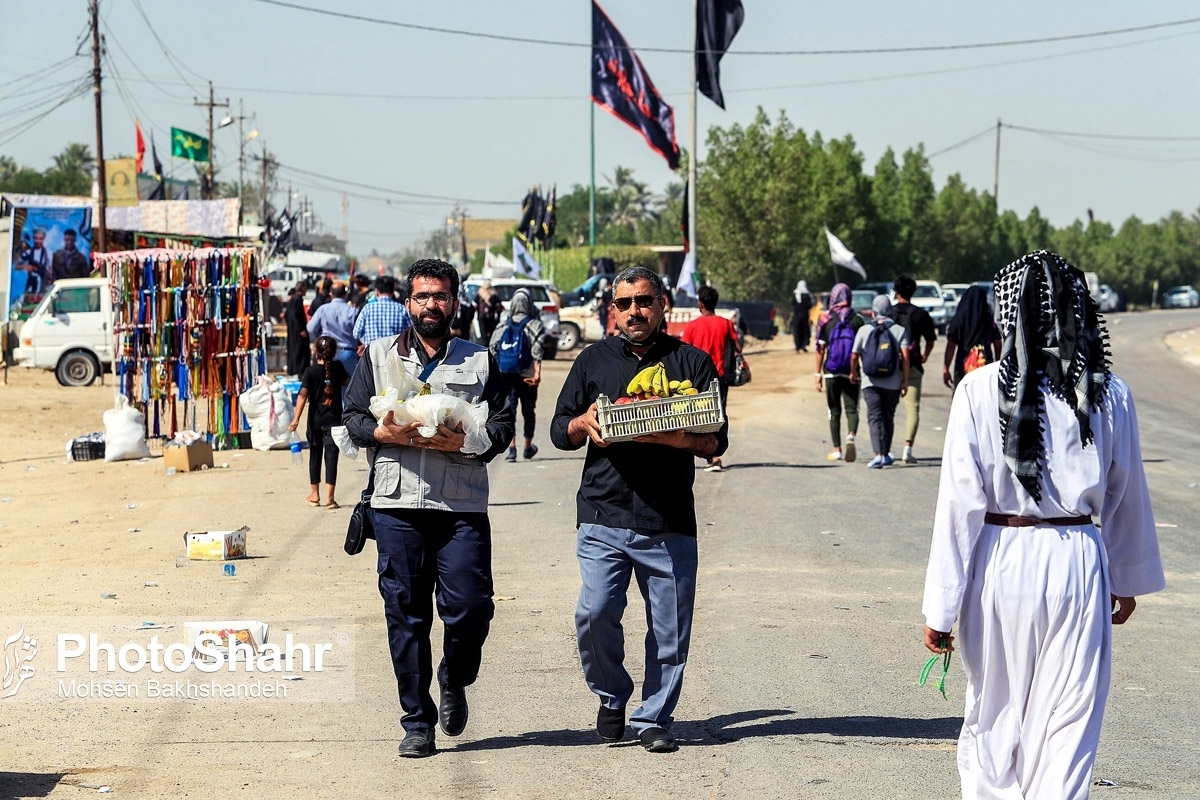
column 1029, row 522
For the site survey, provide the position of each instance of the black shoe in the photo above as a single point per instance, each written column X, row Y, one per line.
column 530, row 451
column 512, row 455
column 418, row 744
column 452, row 711
column 656, row 740
column 610, row 724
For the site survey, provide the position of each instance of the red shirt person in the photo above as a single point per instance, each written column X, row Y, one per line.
column 715, row 336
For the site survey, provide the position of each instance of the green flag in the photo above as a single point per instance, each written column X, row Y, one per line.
column 185, row 144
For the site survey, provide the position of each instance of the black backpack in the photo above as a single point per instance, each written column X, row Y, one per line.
column 881, row 355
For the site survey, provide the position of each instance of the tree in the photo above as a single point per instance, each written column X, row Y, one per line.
column 76, row 157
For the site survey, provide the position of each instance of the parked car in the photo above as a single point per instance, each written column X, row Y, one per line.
column 756, row 318
column 578, row 324
column 1181, row 297
column 1109, row 299
column 582, row 294
column 956, row 289
column 861, row 300
column 538, row 290
column 70, row 332
column 878, row 287
column 929, row 296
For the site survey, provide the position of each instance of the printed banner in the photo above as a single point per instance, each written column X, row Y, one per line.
column 48, row 243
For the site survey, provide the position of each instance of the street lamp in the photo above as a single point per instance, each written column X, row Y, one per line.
column 242, row 139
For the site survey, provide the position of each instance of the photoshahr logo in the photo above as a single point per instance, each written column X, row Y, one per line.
column 19, row 650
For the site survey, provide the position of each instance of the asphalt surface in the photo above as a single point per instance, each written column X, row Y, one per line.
column 805, row 649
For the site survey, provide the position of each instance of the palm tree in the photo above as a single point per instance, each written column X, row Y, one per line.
column 76, row 157
column 631, row 199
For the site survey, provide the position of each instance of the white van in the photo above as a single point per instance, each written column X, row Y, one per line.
column 70, row 332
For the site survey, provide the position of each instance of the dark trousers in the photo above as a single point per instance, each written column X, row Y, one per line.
column 321, row 445
column 420, row 553
column 520, row 391
column 801, row 332
column 881, row 416
column 840, row 391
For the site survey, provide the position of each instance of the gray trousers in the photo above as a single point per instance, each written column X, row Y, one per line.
column 665, row 568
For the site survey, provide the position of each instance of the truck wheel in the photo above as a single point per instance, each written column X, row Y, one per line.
column 568, row 336
column 77, row 368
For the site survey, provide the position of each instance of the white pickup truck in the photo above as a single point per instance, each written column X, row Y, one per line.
column 70, row 332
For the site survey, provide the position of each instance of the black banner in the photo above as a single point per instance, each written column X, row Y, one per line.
column 717, row 22
column 621, row 86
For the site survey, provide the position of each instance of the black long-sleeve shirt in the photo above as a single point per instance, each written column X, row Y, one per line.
column 636, row 485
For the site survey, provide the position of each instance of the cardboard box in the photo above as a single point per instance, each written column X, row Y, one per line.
column 249, row 632
column 188, row 458
column 216, row 545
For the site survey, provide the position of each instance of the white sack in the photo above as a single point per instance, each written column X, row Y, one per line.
column 269, row 409
column 124, row 433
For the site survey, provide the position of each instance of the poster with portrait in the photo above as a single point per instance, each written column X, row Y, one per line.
column 48, row 243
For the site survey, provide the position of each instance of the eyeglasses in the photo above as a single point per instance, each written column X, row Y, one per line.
column 642, row 300
column 425, row 298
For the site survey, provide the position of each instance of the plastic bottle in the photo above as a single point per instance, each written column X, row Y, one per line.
column 294, row 444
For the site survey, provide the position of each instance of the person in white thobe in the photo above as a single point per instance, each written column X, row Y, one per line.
column 1036, row 601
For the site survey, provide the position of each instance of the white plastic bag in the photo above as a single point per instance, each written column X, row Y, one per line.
column 401, row 396
column 404, row 382
column 124, row 433
column 269, row 409
column 341, row 437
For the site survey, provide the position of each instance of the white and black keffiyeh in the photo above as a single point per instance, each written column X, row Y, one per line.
column 1052, row 332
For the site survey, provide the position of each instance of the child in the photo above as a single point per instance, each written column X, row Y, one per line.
column 322, row 382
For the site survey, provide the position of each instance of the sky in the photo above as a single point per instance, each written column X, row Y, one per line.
column 481, row 120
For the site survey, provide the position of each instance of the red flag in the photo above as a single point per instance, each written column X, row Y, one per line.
column 141, row 146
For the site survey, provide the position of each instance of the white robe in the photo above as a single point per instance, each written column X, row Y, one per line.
column 1033, row 603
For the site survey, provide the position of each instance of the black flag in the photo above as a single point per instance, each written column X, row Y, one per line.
column 621, row 86
column 160, row 190
column 717, row 22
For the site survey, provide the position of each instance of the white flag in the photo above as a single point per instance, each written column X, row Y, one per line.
column 523, row 262
column 687, row 275
column 841, row 255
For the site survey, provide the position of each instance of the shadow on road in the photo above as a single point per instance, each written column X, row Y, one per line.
column 766, row 722
column 772, row 465
column 27, row 784
column 732, row 728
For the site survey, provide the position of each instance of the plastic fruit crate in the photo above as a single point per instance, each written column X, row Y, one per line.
column 696, row 413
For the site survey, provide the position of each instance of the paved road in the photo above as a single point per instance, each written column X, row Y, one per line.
column 805, row 649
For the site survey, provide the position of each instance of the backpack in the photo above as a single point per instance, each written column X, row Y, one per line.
column 515, row 354
column 839, row 347
column 880, row 356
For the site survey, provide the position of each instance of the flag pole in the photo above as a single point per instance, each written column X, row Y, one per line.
column 592, row 188
column 692, row 155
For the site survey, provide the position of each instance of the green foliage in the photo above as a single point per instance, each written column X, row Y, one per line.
column 571, row 264
column 70, row 175
column 767, row 189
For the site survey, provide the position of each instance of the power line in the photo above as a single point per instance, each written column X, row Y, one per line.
column 386, row 190
column 990, row 129
column 1111, row 136
column 833, row 52
column 733, row 90
column 171, row 58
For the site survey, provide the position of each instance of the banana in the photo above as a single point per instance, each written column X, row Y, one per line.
column 641, row 381
column 673, row 385
column 685, row 385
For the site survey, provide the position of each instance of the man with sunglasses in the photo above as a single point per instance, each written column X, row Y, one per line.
column 635, row 513
column 429, row 505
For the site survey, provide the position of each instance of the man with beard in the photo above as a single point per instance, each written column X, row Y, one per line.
column 70, row 262
column 429, row 505
column 636, row 514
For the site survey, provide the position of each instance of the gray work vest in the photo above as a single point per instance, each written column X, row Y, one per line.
column 416, row 478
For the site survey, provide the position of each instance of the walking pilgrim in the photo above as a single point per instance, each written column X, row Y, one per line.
column 1040, row 447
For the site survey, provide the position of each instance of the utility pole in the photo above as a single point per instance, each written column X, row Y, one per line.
column 996, row 184
column 266, row 169
column 462, row 233
column 101, row 177
column 345, row 219
column 207, row 192
column 693, row 156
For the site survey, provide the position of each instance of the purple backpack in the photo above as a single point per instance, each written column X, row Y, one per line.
column 839, row 347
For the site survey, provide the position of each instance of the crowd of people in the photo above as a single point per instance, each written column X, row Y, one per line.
column 1042, row 540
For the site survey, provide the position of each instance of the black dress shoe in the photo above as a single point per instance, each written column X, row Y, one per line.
column 610, row 724
column 656, row 740
column 418, row 744
column 530, row 451
column 452, row 711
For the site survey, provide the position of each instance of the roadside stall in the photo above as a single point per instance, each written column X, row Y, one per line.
column 189, row 336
